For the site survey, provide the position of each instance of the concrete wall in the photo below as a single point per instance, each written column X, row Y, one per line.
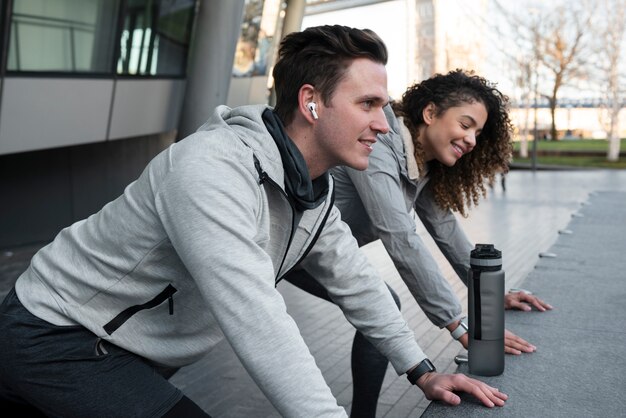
column 42, row 192
column 44, row 113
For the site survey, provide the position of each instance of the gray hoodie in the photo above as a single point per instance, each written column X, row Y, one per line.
column 192, row 251
column 379, row 202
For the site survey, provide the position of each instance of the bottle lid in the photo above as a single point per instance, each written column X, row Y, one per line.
column 485, row 255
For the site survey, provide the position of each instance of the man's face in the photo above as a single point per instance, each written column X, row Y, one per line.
column 346, row 130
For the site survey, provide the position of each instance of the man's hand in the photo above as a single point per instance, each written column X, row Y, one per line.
column 437, row 386
column 524, row 301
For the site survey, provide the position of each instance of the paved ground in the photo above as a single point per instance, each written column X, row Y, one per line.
column 522, row 221
column 579, row 369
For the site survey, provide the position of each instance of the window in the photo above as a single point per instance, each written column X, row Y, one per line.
column 80, row 36
column 155, row 37
column 258, row 30
column 62, row 35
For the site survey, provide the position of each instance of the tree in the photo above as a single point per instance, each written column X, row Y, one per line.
column 610, row 33
column 561, row 51
column 557, row 36
column 520, row 63
column 524, row 81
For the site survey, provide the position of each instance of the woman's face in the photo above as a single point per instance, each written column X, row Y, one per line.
column 449, row 136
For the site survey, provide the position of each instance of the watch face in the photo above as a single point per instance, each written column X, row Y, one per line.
column 425, row 366
column 460, row 330
column 429, row 365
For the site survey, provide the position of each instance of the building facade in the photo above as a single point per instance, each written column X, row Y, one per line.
column 449, row 37
column 91, row 90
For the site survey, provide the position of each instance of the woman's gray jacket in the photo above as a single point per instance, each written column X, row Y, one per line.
column 192, row 251
column 378, row 203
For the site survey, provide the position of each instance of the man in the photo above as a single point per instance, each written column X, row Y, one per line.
column 195, row 246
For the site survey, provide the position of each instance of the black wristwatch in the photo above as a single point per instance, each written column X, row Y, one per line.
column 425, row 366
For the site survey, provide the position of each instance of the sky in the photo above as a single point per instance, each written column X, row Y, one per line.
column 379, row 18
column 388, row 20
column 385, row 18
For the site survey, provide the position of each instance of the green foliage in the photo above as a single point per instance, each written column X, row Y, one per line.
column 587, row 162
column 588, row 153
column 600, row 145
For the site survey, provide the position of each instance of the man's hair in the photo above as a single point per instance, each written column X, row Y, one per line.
column 463, row 184
column 320, row 56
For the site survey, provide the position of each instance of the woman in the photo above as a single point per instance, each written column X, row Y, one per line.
column 449, row 137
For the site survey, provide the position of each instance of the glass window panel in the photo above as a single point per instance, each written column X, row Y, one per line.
column 62, row 35
column 155, row 37
column 258, row 32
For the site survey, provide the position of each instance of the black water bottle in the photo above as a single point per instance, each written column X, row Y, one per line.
column 486, row 311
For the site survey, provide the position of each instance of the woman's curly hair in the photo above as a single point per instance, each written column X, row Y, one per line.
column 462, row 185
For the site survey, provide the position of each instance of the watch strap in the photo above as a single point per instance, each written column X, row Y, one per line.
column 424, row 367
column 460, row 330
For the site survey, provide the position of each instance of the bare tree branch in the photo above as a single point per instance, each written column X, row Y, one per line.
column 556, row 40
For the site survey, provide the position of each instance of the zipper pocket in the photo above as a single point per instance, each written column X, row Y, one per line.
column 127, row 313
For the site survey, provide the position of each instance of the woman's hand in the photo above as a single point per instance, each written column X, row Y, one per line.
column 512, row 343
column 524, row 301
column 516, row 345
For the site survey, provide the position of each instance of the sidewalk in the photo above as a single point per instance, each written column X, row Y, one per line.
column 579, row 369
column 521, row 222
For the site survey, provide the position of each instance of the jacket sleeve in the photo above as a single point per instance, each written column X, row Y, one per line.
column 212, row 224
column 446, row 231
column 380, row 189
column 352, row 283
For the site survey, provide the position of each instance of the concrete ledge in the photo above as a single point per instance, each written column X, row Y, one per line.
column 578, row 368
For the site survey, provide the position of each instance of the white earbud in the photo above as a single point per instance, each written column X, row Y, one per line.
column 312, row 107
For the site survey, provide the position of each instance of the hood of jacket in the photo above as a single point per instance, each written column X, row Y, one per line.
column 246, row 122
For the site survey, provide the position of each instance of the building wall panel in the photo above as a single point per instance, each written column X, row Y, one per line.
column 42, row 113
column 144, row 107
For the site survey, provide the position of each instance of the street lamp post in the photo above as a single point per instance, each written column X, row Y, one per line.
column 533, row 154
